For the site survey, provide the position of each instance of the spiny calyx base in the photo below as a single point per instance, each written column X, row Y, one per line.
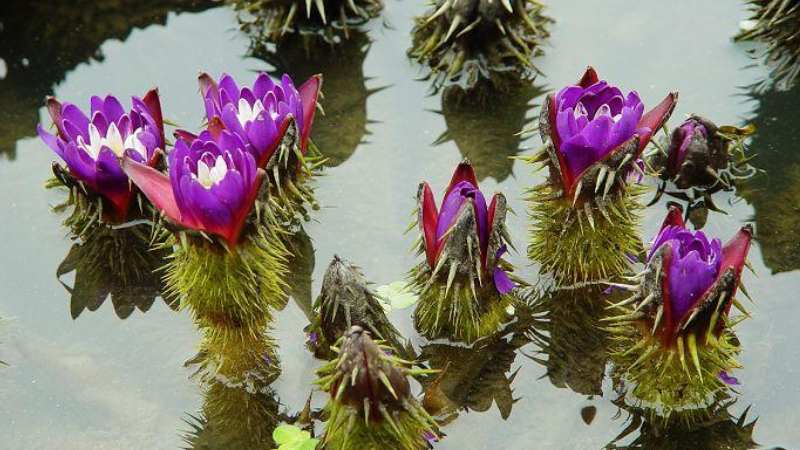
column 227, row 287
column 585, row 242
column 459, row 311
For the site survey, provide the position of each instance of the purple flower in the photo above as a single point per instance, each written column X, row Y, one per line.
column 212, row 184
column 592, row 119
column 692, row 267
column 260, row 115
column 93, row 146
column 463, row 192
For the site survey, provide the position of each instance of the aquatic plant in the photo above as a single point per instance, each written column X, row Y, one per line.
column 273, row 122
column 371, row 406
column 702, row 157
column 346, row 299
column 463, row 283
column 92, row 147
column 673, row 338
column 275, row 20
column 113, row 263
column 775, row 23
column 467, row 41
column 227, row 266
column 584, row 217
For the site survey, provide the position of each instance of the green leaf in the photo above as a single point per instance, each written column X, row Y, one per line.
column 396, row 295
column 288, row 434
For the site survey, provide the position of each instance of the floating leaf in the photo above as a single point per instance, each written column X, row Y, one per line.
column 290, row 437
column 396, row 295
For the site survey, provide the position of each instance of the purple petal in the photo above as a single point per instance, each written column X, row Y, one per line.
column 502, row 282
column 80, row 123
column 450, row 207
column 728, row 379
column 51, row 141
column 112, row 108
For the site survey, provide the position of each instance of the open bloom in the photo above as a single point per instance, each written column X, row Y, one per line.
column 592, row 121
column 211, row 187
column 462, row 199
column 260, row 115
column 92, row 146
column 698, row 275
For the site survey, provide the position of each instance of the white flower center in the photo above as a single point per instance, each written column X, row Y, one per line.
column 247, row 114
column 112, row 140
column 211, row 177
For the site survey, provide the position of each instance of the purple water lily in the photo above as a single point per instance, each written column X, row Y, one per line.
column 260, row 115
column 93, row 146
column 694, row 270
column 463, row 192
column 212, row 184
column 593, row 119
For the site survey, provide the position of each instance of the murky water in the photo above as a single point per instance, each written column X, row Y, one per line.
column 81, row 377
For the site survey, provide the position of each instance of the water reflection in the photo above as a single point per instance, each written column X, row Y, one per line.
column 38, row 51
column 717, row 429
column 472, row 378
column 234, row 418
column 485, row 122
column 117, row 264
column 567, row 328
column 775, row 194
column 343, row 127
column 301, row 262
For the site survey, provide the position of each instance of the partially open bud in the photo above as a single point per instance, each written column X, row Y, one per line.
column 674, row 337
column 701, row 154
column 464, row 284
column 371, row 406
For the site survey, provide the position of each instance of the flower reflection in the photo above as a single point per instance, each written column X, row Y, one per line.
column 113, row 263
column 484, row 124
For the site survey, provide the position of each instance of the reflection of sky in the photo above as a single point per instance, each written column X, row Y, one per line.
column 103, row 383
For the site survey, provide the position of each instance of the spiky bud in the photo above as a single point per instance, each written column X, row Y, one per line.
column 371, row 405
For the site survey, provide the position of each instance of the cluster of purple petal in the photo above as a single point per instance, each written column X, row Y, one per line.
column 256, row 114
column 593, row 121
column 693, row 265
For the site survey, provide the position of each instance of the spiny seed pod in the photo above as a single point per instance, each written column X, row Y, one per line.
column 371, row 406
column 469, row 40
column 464, row 284
column 775, row 23
column 113, row 263
column 673, row 338
column 346, row 299
column 585, row 216
column 701, row 154
column 274, row 20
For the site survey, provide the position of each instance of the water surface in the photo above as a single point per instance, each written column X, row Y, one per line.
column 98, row 381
